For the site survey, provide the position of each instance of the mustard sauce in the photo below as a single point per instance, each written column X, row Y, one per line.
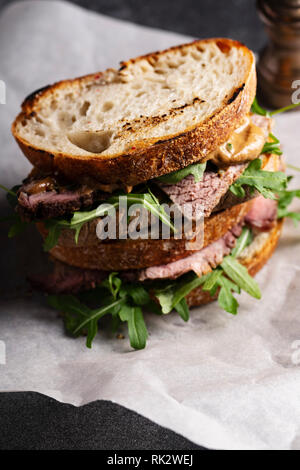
column 244, row 144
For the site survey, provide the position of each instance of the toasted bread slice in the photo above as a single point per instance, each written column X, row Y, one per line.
column 116, row 255
column 254, row 257
column 156, row 114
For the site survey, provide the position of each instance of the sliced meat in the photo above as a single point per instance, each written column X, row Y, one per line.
column 264, row 122
column 51, row 204
column 66, row 279
column 263, row 214
column 44, row 197
column 205, row 194
column 230, row 200
column 201, row 262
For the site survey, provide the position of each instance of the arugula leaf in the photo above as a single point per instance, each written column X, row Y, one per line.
column 170, row 296
column 165, row 297
column 12, row 191
column 244, row 240
column 183, row 309
column 123, row 302
column 272, row 147
column 257, row 109
column 18, row 225
column 137, row 330
column 196, row 169
column 292, row 167
column 284, row 200
column 74, row 312
column 266, row 182
column 138, row 294
column 239, row 274
column 212, row 280
column 226, row 299
column 98, row 313
column 236, row 273
column 92, row 332
column 54, row 231
column 113, row 284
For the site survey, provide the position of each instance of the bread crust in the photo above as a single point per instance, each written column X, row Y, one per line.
column 91, row 253
column 152, row 158
column 254, row 264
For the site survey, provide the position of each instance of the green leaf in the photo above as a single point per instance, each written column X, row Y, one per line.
column 54, row 231
column 185, row 288
column 196, row 169
column 115, row 322
column 17, row 227
column 285, row 198
column 295, row 216
column 74, row 313
column 99, row 313
column 153, row 307
column 212, row 280
column 92, row 332
column 227, row 301
column 165, row 298
column 257, row 109
column 266, row 182
column 138, row 294
column 137, row 330
column 237, row 190
column 10, row 191
column 242, row 242
column 283, row 110
column 183, row 309
column 171, row 295
column 68, row 304
column 240, row 276
column 113, row 284
column 228, row 284
column 272, row 147
column 293, row 167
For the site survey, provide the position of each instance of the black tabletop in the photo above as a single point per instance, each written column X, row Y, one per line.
column 32, row 421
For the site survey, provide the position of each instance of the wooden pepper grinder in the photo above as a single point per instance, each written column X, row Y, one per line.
column 278, row 67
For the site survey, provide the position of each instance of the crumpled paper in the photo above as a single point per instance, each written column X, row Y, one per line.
column 222, row 381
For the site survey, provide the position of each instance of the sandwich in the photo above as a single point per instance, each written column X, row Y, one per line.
column 179, row 128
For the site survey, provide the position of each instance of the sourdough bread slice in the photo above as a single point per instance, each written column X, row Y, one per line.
column 117, row 255
column 156, row 114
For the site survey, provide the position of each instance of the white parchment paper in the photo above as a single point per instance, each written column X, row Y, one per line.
column 222, row 381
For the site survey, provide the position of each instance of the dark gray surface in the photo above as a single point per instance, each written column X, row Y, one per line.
column 32, row 421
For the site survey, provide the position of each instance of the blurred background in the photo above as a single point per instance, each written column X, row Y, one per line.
column 199, row 18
